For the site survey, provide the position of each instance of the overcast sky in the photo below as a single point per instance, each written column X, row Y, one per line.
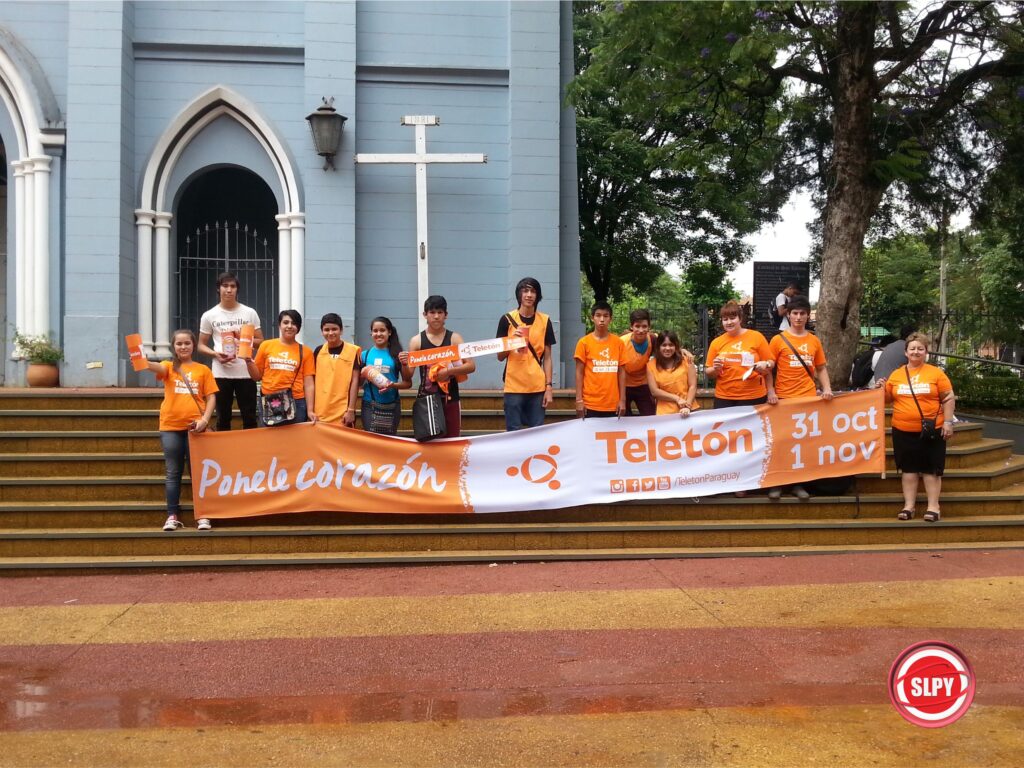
column 788, row 240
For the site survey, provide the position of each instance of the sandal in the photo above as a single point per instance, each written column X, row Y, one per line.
column 932, row 516
column 906, row 514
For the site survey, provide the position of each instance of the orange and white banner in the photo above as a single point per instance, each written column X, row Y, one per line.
column 464, row 350
column 324, row 467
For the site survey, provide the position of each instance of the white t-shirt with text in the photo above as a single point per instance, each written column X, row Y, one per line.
column 217, row 320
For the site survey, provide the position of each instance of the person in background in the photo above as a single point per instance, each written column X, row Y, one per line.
column 782, row 305
column 600, row 377
column 447, row 378
column 638, row 348
column 336, row 365
column 527, row 376
column 922, row 421
column 233, row 380
column 382, row 376
column 189, row 396
column 672, row 377
column 798, row 358
column 284, row 363
column 893, row 355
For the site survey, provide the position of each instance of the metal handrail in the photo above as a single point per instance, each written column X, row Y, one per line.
column 989, row 360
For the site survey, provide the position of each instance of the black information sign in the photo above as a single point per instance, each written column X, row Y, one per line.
column 770, row 277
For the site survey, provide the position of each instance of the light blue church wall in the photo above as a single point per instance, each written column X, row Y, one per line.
column 492, row 71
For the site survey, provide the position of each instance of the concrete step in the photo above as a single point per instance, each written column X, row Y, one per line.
column 42, row 565
column 982, row 453
column 290, row 540
column 149, row 514
column 150, row 487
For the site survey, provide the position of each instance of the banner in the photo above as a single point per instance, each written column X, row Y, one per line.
column 464, row 350
column 325, row 467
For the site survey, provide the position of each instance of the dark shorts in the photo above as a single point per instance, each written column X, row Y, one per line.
column 912, row 454
column 645, row 405
column 589, row 414
column 722, row 403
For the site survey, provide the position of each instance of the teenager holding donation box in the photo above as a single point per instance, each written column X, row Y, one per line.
column 798, row 358
column 527, row 375
column 672, row 377
column 220, row 330
column 337, row 374
column 637, row 350
column 922, row 421
column 285, row 366
column 189, row 389
column 443, row 378
column 600, row 377
column 383, row 376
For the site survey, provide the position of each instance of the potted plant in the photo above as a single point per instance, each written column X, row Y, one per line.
column 42, row 355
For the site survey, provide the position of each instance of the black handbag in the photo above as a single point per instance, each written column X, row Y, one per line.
column 428, row 420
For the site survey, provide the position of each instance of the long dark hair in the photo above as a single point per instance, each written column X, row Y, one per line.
column 394, row 343
column 677, row 358
column 176, row 365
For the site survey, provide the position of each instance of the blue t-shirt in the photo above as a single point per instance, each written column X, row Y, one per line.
column 382, row 360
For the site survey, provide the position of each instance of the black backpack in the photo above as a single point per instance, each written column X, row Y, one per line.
column 862, row 369
column 774, row 318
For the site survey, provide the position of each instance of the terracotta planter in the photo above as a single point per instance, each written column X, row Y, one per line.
column 41, row 375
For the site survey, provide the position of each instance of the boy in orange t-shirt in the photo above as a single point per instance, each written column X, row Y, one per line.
column 637, row 348
column 600, row 376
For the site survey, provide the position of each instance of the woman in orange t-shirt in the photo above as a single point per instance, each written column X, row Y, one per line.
column 189, row 389
column 739, row 361
column 671, row 376
column 918, row 454
column 283, row 363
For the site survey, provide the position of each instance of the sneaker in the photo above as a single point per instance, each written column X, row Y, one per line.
column 800, row 493
column 203, row 524
column 775, row 493
column 173, row 523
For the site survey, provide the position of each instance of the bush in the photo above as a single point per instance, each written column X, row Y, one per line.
column 38, row 349
column 986, row 386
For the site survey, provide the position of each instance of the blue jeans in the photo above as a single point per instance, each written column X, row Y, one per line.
column 523, row 410
column 175, row 445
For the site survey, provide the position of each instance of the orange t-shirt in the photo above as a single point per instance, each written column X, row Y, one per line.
column 278, row 362
column 791, row 380
column 601, row 359
column 930, row 384
column 634, row 362
column 741, row 352
column 179, row 409
column 676, row 382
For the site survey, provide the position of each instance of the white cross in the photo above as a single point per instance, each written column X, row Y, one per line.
column 420, row 158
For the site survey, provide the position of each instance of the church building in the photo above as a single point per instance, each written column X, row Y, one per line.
column 149, row 146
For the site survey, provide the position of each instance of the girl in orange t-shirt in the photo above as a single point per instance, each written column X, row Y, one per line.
column 189, row 389
column 283, row 363
column 740, row 361
column 671, row 376
column 918, row 456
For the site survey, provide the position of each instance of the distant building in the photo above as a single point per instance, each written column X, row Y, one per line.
column 148, row 145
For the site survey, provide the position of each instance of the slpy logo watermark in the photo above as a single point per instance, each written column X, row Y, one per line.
column 931, row 684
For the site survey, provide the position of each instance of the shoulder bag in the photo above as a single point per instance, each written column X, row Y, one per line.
column 279, row 407
column 799, row 357
column 928, row 428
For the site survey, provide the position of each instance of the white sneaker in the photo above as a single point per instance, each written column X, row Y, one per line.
column 173, row 523
column 801, row 493
column 203, row 524
column 775, row 493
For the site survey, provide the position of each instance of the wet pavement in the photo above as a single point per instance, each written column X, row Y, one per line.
column 773, row 661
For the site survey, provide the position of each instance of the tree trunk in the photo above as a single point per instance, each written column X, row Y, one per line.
column 854, row 193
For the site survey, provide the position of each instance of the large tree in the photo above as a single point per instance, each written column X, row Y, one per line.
column 860, row 100
column 659, row 185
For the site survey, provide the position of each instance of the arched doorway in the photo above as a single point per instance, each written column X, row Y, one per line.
column 225, row 222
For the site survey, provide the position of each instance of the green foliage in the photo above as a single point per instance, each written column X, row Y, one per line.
column 986, row 280
column 985, row 386
column 41, row 350
column 901, row 281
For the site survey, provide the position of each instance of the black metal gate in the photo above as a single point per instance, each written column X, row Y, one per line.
column 225, row 247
